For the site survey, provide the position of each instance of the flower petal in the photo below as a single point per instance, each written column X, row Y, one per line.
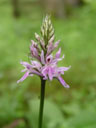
column 50, row 48
column 58, row 53
column 36, row 64
column 24, row 77
column 24, row 70
column 50, row 73
column 55, row 60
column 36, row 73
column 45, row 72
column 63, row 82
column 34, row 50
column 26, row 65
column 42, row 57
column 56, row 44
column 59, row 59
column 64, row 68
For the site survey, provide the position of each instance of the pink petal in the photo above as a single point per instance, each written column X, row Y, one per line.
column 64, row 68
column 36, row 72
column 42, row 57
column 50, row 73
column 59, row 59
column 56, row 44
column 34, row 44
column 63, row 82
column 45, row 72
column 45, row 78
column 24, row 77
column 34, row 50
column 24, row 70
column 26, row 65
column 50, row 48
column 58, row 53
column 36, row 64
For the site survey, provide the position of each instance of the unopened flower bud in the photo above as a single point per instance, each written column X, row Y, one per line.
column 47, row 30
column 40, row 40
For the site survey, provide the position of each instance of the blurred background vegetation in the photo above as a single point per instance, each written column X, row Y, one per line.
column 75, row 24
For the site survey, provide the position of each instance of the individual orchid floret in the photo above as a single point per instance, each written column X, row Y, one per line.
column 50, row 70
column 51, row 47
column 34, row 50
column 30, row 69
column 45, row 64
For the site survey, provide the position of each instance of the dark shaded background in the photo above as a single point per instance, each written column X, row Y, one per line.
column 75, row 24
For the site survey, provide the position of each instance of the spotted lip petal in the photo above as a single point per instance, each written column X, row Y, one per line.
column 49, row 59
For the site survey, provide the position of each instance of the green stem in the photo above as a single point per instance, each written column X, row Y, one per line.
column 41, row 103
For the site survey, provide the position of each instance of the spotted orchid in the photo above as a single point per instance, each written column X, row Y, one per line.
column 43, row 62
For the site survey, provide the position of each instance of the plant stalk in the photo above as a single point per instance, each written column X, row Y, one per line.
column 41, row 103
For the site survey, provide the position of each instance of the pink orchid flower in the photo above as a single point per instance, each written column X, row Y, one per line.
column 45, row 64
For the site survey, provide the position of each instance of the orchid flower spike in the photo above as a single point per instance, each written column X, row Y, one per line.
column 43, row 63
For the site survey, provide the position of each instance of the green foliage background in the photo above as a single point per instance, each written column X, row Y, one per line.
column 64, row 108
